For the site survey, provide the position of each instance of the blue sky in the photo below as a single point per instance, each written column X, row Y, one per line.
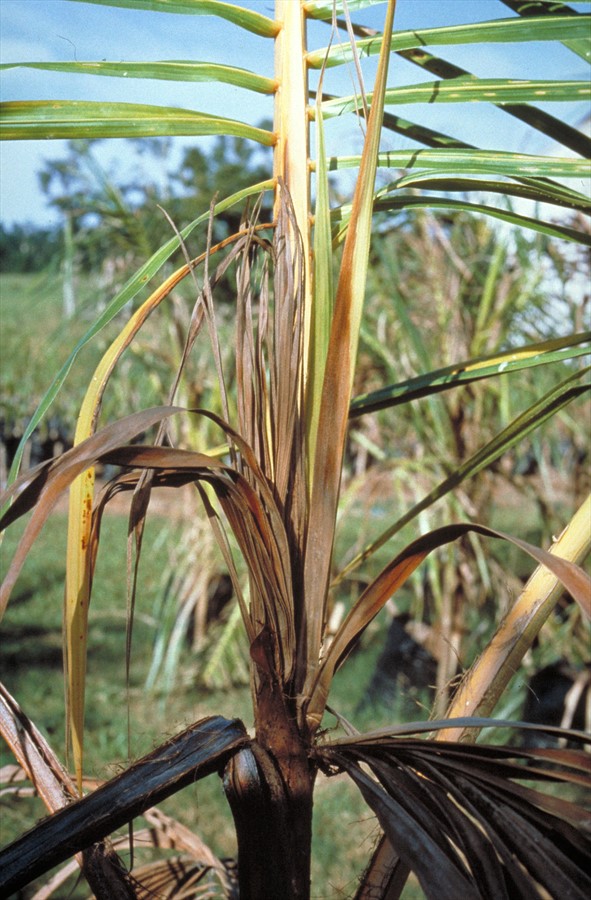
column 61, row 30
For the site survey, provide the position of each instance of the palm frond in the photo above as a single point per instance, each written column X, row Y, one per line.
column 250, row 20
column 87, row 119
column 450, row 812
column 394, row 575
column 193, row 754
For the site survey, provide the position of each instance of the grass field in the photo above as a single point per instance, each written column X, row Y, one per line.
column 36, row 340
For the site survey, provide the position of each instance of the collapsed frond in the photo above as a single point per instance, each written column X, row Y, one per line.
column 193, row 754
column 452, row 811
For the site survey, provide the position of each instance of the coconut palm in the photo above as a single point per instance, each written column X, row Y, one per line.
column 458, row 815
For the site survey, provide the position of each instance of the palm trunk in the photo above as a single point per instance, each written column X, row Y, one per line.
column 269, row 787
column 269, row 784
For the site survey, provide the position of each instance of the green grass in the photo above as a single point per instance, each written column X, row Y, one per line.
column 31, row 340
column 36, row 339
column 31, row 663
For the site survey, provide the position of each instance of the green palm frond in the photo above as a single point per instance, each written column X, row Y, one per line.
column 500, row 30
column 31, row 119
column 165, row 70
column 249, row 20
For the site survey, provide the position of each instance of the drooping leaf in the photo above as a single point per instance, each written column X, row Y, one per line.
column 261, row 534
column 435, row 802
column 409, row 834
column 191, row 755
column 253, row 517
column 395, row 574
column 79, row 551
column 540, row 411
column 41, row 486
column 79, row 564
column 129, row 290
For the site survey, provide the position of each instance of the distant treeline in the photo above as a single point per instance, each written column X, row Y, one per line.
column 28, row 248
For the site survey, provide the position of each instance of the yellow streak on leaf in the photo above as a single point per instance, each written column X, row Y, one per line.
column 291, row 158
column 78, row 562
column 485, row 682
column 78, row 559
column 338, row 376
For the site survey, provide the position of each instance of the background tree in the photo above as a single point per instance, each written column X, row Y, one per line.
column 27, row 248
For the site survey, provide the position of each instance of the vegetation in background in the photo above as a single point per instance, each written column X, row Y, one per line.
column 27, row 248
column 280, row 453
column 118, row 223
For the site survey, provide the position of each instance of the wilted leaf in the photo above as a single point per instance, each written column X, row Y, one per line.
column 191, row 755
column 451, row 813
column 398, row 571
